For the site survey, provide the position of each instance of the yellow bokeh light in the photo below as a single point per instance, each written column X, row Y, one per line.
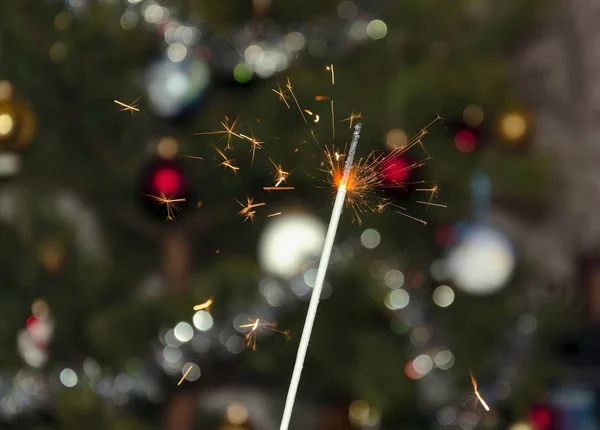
column 396, row 138
column 473, row 115
column 513, row 126
column 6, row 124
column 237, row 413
column 167, row 148
column 377, row 29
column 358, row 411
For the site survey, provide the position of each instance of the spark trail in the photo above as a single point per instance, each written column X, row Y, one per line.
column 338, row 206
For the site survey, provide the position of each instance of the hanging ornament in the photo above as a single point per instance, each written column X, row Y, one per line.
column 175, row 83
column 17, row 123
column 483, row 261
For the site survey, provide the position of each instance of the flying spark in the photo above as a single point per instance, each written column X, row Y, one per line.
column 353, row 117
column 330, row 68
column 228, row 132
column 129, row 107
column 256, row 326
column 227, row 163
column 204, row 306
column 474, row 382
column 289, row 88
column 248, row 210
column 170, row 202
column 278, row 188
column 281, row 94
column 185, row 375
column 280, row 174
column 254, row 144
column 275, row 214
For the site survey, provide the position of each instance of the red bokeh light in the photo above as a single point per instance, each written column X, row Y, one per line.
column 541, row 418
column 31, row 321
column 465, row 141
column 396, row 170
column 166, row 180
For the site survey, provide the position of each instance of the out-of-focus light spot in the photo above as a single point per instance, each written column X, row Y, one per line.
column 501, row 390
column 468, row 420
column 254, row 54
column 378, row 269
column 439, row 270
column 91, row 368
column 68, row 377
column 370, row 238
column 396, row 139
column 521, row 425
column 358, row 412
column 176, row 52
column 171, row 340
column 288, row 242
column 465, row 141
column 235, row 344
column 172, row 355
column 423, row 364
column 243, row 72
column 58, row 52
column 513, row 126
column 201, row 343
column 129, row 20
column 189, row 35
column 62, row 20
column 347, row 10
column 397, row 299
column 358, row 31
column 123, row 383
column 295, row 41
column 192, row 371
column 6, row 124
column 410, row 371
column 134, row 1
column 310, row 277
column 167, row 148
column 271, row 62
column 447, row 416
column 483, row 261
column 527, row 323
column 444, row 359
column 237, row 413
column 203, row 321
column 394, row 279
column 183, row 332
column 377, row 29
column 154, row 13
column 443, row 296
column 473, row 115
column 420, row 336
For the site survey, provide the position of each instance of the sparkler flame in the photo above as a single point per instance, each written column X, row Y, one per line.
column 474, row 382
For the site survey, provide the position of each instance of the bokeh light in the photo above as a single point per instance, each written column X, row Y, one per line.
column 443, row 296
column 370, row 238
column 237, row 413
column 68, row 377
column 243, row 73
column 444, row 359
column 183, row 332
column 288, row 242
column 397, row 299
column 203, row 320
column 513, row 126
column 377, row 29
column 396, row 139
column 473, row 115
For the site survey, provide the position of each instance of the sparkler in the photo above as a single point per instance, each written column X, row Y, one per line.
column 321, row 272
column 129, row 107
column 474, row 382
column 256, row 326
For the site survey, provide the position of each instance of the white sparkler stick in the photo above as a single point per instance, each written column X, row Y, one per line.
column 316, row 294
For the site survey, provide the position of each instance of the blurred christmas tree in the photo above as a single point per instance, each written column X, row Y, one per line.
column 89, row 210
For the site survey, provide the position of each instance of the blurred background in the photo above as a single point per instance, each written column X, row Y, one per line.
column 117, row 217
